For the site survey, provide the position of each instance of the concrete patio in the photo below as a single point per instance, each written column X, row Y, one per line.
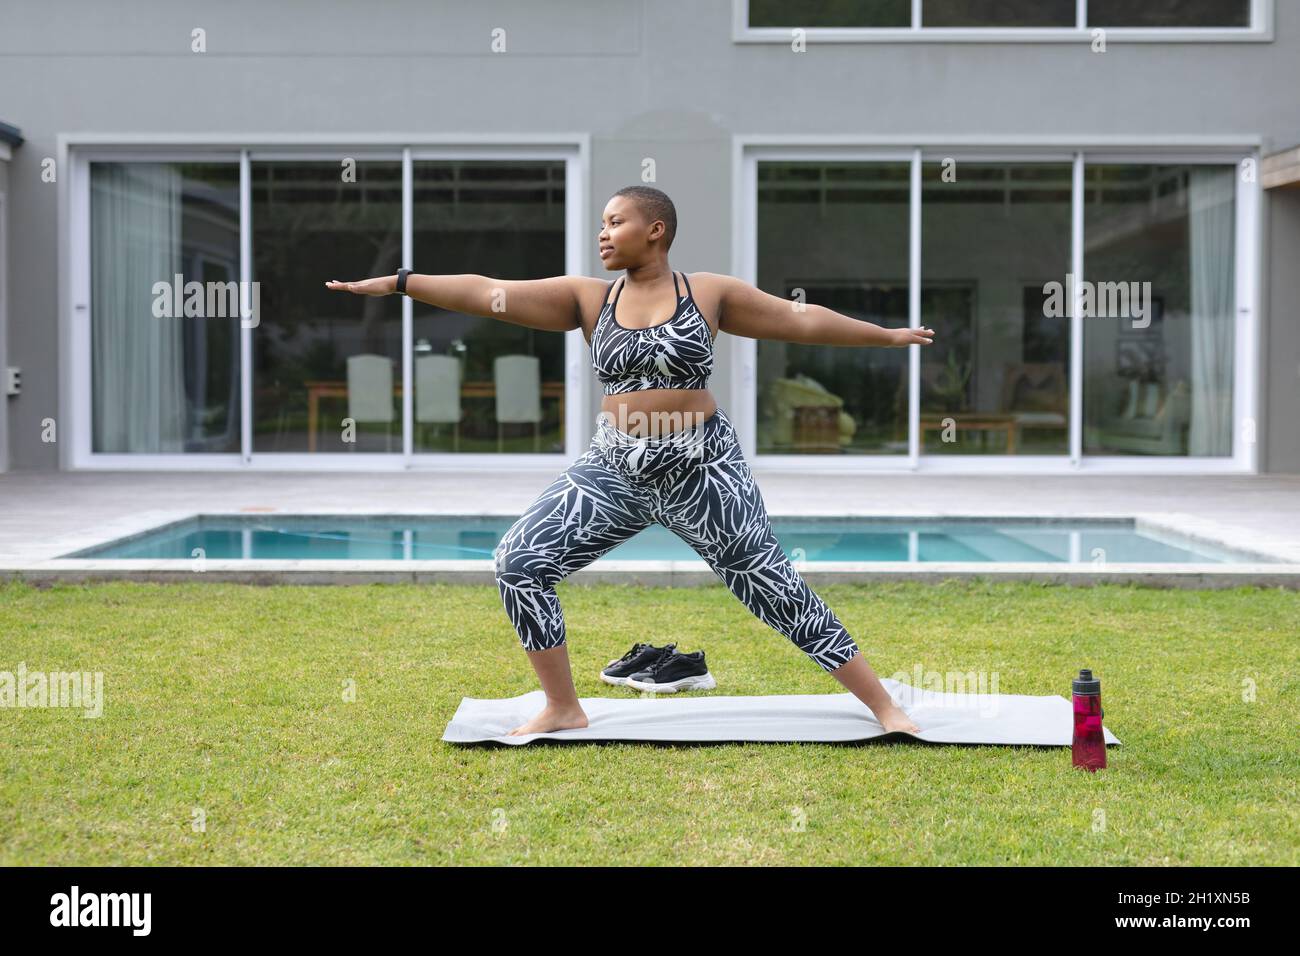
column 46, row 514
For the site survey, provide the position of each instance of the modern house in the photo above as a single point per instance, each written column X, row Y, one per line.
column 1095, row 204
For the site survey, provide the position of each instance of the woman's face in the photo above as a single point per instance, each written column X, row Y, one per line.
column 624, row 234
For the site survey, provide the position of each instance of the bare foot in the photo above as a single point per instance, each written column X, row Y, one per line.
column 550, row 719
column 895, row 719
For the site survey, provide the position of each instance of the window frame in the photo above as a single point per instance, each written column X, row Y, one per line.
column 1260, row 30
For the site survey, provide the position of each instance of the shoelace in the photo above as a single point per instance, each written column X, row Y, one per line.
column 636, row 649
column 669, row 653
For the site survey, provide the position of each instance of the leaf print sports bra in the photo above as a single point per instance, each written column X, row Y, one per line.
column 673, row 354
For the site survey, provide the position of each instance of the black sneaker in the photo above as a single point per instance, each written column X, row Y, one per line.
column 638, row 658
column 673, row 672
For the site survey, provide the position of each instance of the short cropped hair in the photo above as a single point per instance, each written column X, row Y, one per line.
column 654, row 204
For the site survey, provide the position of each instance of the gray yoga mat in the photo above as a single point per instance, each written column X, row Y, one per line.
column 823, row 718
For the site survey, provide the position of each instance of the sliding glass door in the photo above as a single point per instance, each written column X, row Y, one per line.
column 833, row 235
column 208, row 328
column 1017, row 260
column 327, row 366
column 483, row 384
column 164, row 332
column 1158, row 374
column 994, row 235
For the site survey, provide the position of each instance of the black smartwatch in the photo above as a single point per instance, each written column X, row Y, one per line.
column 401, row 280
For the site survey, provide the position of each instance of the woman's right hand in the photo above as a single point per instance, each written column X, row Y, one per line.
column 380, row 285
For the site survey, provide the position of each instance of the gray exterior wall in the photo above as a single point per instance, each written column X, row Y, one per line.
column 1280, row 398
column 4, row 311
column 657, row 79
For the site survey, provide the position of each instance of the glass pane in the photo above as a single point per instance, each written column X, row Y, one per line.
column 164, row 243
column 327, row 365
column 998, row 13
column 1169, row 13
column 830, row 13
column 482, row 384
column 839, row 232
column 996, row 378
column 1159, row 309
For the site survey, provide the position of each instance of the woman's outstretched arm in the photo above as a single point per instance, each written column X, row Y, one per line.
column 756, row 314
column 550, row 304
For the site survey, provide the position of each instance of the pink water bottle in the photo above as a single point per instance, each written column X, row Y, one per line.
column 1089, row 741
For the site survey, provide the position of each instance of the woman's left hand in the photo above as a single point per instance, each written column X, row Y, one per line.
column 910, row 336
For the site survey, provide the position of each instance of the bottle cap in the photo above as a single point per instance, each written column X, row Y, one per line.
column 1085, row 683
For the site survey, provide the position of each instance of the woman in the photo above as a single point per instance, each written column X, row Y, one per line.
column 675, row 461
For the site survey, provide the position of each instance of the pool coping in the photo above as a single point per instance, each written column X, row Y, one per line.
column 1283, row 571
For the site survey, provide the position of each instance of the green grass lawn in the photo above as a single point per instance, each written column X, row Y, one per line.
column 228, row 700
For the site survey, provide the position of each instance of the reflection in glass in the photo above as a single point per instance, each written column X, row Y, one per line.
column 1159, row 332
column 838, row 232
column 998, row 13
column 830, row 13
column 164, row 361
column 1169, row 13
column 327, row 365
column 483, row 384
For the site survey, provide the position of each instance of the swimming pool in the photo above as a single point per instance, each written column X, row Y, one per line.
column 807, row 540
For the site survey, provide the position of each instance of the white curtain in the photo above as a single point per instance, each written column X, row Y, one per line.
column 137, row 372
column 1212, row 268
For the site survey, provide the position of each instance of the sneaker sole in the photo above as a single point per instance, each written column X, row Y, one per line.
column 698, row 682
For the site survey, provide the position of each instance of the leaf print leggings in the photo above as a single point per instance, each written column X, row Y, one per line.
column 696, row 483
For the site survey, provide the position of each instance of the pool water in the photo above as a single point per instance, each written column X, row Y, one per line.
column 473, row 537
